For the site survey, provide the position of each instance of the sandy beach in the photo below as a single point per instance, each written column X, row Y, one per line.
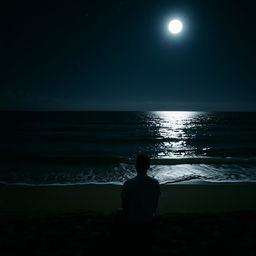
column 105, row 199
column 81, row 220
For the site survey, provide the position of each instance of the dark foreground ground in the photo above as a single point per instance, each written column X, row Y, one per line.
column 83, row 234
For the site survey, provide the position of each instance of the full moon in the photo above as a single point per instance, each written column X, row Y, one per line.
column 175, row 26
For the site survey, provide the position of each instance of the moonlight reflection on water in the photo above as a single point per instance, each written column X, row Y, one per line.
column 174, row 128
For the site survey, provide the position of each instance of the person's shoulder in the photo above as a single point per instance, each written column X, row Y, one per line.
column 129, row 181
column 155, row 185
column 154, row 181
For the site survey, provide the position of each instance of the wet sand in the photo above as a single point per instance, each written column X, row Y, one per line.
column 105, row 199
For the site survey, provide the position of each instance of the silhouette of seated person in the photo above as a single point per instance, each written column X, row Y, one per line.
column 140, row 194
column 139, row 203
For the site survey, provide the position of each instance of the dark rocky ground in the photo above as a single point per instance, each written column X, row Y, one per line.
column 85, row 234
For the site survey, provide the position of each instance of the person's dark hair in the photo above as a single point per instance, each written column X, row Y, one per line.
column 142, row 163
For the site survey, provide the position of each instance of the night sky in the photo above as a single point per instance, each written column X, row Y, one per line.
column 119, row 55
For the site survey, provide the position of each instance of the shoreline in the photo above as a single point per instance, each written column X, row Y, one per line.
column 167, row 183
column 105, row 198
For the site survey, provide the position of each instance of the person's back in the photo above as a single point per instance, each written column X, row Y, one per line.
column 140, row 194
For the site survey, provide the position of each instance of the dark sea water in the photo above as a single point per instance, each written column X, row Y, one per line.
column 100, row 147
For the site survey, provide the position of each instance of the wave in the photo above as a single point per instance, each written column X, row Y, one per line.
column 5, row 183
column 202, row 160
column 191, row 180
column 187, row 178
column 105, row 160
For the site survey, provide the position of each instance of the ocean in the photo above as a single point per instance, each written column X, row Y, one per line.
column 81, row 147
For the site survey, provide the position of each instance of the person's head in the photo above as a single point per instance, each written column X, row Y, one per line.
column 142, row 163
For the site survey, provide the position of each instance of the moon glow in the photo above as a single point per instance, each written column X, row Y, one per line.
column 175, row 26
